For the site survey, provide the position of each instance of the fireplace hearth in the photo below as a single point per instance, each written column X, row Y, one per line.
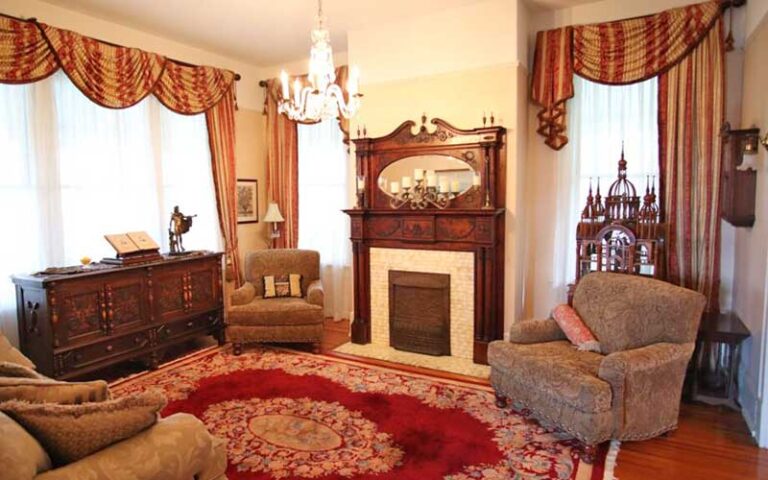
column 420, row 312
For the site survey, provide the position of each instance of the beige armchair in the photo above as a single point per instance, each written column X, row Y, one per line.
column 177, row 447
column 253, row 318
column 629, row 391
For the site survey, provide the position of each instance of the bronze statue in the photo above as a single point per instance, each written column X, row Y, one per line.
column 178, row 226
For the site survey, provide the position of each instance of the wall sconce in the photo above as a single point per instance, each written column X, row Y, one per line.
column 749, row 149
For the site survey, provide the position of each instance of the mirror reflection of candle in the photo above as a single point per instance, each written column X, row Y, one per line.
column 455, row 186
column 431, row 179
column 394, row 188
column 476, row 180
column 443, row 182
column 406, row 182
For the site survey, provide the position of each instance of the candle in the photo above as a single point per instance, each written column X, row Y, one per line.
column 476, row 180
column 284, row 82
column 443, row 182
column 431, row 179
column 296, row 91
column 455, row 186
column 406, row 182
column 418, row 174
column 394, row 188
column 361, row 183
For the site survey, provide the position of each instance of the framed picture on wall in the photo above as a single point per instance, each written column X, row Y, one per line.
column 247, row 200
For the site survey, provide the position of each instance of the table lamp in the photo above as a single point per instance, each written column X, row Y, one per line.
column 273, row 216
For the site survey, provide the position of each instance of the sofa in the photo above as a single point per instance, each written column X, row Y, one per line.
column 631, row 389
column 177, row 447
column 251, row 318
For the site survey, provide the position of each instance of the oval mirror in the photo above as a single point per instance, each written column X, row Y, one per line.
column 442, row 172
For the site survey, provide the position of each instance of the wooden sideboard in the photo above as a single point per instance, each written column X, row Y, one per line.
column 72, row 324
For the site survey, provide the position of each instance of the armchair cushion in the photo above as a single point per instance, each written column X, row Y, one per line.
column 276, row 312
column 10, row 369
column 557, row 368
column 176, row 447
column 535, row 331
column 629, row 311
column 243, row 295
column 647, row 383
column 280, row 262
column 316, row 294
column 72, row 432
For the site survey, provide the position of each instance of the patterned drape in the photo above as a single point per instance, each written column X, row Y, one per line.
column 119, row 77
column 220, row 120
column 621, row 52
column 110, row 75
column 282, row 166
column 691, row 106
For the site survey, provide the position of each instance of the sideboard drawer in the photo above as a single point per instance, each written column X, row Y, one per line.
column 112, row 347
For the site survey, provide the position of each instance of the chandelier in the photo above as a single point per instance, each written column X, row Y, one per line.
column 323, row 98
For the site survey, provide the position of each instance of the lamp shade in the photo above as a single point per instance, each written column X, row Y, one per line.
column 273, row 213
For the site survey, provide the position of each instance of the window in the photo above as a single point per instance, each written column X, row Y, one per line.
column 601, row 118
column 323, row 194
column 73, row 171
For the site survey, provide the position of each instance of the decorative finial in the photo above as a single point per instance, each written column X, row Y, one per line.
column 598, row 186
column 358, row 130
column 365, row 131
column 493, row 119
column 424, row 118
column 485, row 119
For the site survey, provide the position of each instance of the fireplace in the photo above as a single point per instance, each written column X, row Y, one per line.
column 420, row 312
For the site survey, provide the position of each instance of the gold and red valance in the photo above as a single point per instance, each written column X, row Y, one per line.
column 615, row 53
column 110, row 75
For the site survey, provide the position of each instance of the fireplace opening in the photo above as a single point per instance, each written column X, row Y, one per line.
column 420, row 312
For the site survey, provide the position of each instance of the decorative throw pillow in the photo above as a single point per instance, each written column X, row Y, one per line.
column 574, row 328
column 282, row 285
column 10, row 354
column 42, row 389
column 71, row 432
column 10, row 369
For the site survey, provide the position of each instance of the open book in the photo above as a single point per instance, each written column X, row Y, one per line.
column 133, row 242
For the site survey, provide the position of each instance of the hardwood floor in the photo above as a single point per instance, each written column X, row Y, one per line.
column 711, row 443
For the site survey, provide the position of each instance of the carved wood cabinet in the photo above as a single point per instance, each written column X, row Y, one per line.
column 73, row 324
column 473, row 221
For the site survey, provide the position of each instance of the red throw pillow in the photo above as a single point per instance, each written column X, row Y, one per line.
column 574, row 328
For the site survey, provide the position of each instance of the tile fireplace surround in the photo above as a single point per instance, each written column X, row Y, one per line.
column 461, row 268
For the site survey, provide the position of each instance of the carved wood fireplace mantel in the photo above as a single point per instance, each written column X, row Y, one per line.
column 472, row 222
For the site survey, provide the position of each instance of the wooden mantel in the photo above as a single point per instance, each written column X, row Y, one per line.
column 473, row 222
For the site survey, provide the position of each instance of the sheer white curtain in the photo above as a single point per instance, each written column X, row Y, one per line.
column 600, row 118
column 72, row 171
column 323, row 194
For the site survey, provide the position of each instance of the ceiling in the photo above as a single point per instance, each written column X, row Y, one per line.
column 260, row 32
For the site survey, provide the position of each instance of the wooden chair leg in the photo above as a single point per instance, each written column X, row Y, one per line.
column 501, row 400
column 238, row 348
column 587, row 453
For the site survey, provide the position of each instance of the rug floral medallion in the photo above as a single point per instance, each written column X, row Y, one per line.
column 291, row 415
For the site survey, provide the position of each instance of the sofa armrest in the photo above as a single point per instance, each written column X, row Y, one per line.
column 243, row 295
column 315, row 293
column 646, row 383
column 535, row 331
column 178, row 446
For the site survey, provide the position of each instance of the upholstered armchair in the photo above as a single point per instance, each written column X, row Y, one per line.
column 253, row 318
column 629, row 391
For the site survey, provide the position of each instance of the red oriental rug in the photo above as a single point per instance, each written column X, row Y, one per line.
column 293, row 415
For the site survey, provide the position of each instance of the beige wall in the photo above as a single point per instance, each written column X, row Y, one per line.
column 252, row 163
column 751, row 244
column 455, row 65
